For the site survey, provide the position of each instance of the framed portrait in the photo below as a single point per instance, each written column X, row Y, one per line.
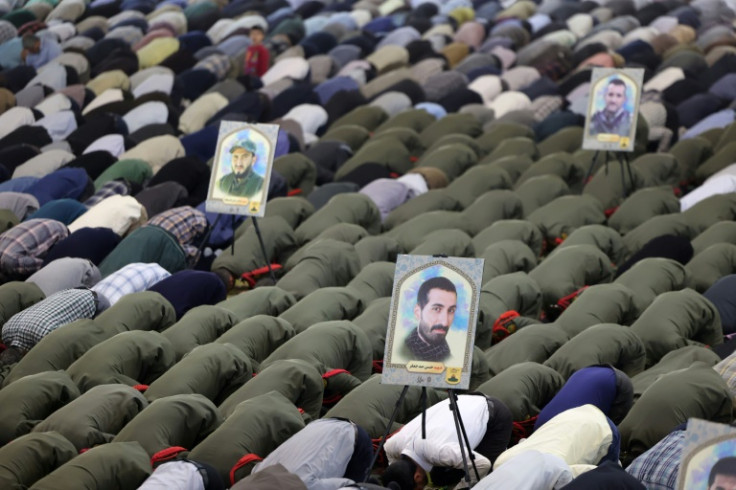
column 432, row 321
column 708, row 456
column 613, row 109
column 241, row 169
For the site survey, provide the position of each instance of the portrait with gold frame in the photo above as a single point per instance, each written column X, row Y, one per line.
column 432, row 321
column 241, row 168
column 705, row 444
column 613, row 109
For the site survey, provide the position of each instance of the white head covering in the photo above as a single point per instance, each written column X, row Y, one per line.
column 664, row 79
column 664, row 23
column 163, row 82
column 20, row 204
column 130, row 34
column 529, row 471
column 640, row 34
column 157, row 151
column 63, row 31
column 114, row 144
column 361, row 17
column 296, row 68
column 107, row 97
column 154, row 112
column 53, row 104
column 507, row 56
column 78, row 42
column 487, row 86
column 520, row 77
column 14, row 118
column 74, row 60
column 200, row 111
column 117, row 213
column 310, row 116
column 59, row 125
column 43, row 164
column 392, row 102
column 52, row 75
column 175, row 475
column 509, row 102
column 580, row 24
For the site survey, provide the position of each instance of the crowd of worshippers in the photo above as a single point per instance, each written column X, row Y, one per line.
column 574, row 444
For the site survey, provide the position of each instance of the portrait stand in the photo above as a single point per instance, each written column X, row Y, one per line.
column 263, row 249
column 623, row 161
column 462, row 436
column 258, row 234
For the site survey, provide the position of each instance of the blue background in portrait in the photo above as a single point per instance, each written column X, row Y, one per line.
column 600, row 94
column 409, row 299
column 260, row 165
column 698, row 475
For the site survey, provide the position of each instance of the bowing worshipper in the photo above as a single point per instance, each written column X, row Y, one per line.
column 167, row 240
column 71, row 183
column 62, row 210
column 327, row 454
column 123, row 465
column 65, row 273
column 111, row 188
column 602, row 386
column 657, row 468
column 698, row 391
column 532, row 471
column 668, row 246
column 722, row 182
column 183, row 474
column 388, row 194
column 162, row 197
column 274, row 477
column 437, row 460
column 23, row 247
column 21, row 204
column 188, row 289
column 92, row 244
column 186, row 224
column 27, row 328
column 31, row 456
column 132, row 278
column 39, row 50
column 582, row 438
column 257, row 57
column 607, row 476
column 721, row 294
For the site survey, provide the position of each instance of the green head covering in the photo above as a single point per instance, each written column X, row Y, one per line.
column 245, row 145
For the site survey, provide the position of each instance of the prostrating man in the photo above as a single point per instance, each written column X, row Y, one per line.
column 437, row 460
column 39, row 50
column 23, row 247
column 27, row 328
column 603, row 386
column 327, row 454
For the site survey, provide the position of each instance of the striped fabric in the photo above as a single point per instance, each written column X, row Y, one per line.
column 657, row 468
column 23, row 247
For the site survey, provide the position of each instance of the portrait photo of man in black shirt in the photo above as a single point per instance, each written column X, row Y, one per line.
column 435, row 313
